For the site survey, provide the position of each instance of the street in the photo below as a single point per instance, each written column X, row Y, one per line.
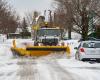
column 52, row 67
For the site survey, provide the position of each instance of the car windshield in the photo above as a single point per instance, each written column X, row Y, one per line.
column 91, row 45
column 50, row 32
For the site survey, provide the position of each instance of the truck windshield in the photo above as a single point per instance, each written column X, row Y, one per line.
column 49, row 32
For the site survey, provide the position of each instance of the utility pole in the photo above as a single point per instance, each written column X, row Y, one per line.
column 54, row 18
column 50, row 18
column 44, row 13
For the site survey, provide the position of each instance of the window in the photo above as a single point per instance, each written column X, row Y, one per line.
column 91, row 45
column 50, row 32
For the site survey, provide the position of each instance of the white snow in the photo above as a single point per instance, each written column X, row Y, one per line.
column 51, row 67
column 72, row 44
column 83, row 69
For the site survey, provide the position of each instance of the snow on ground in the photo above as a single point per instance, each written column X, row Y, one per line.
column 52, row 67
column 85, row 70
column 8, row 66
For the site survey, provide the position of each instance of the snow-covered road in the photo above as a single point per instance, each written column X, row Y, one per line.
column 51, row 67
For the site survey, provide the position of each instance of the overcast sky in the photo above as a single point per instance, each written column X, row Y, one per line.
column 23, row 6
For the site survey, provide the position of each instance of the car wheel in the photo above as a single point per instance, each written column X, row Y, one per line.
column 99, row 61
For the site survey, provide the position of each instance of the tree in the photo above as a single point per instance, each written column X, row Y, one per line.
column 25, row 33
column 64, row 15
column 98, row 31
column 24, row 25
column 77, row 14
column 8, row 18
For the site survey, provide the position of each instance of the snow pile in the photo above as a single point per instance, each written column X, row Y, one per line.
column 72, row 44
column 8, row 66
column 2, row 38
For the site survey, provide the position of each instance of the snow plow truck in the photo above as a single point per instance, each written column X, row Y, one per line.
column 46, row 40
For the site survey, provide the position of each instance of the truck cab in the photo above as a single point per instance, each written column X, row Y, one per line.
column 48, row 36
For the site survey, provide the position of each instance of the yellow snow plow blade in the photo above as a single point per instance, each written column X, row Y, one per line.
column 38, row 50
